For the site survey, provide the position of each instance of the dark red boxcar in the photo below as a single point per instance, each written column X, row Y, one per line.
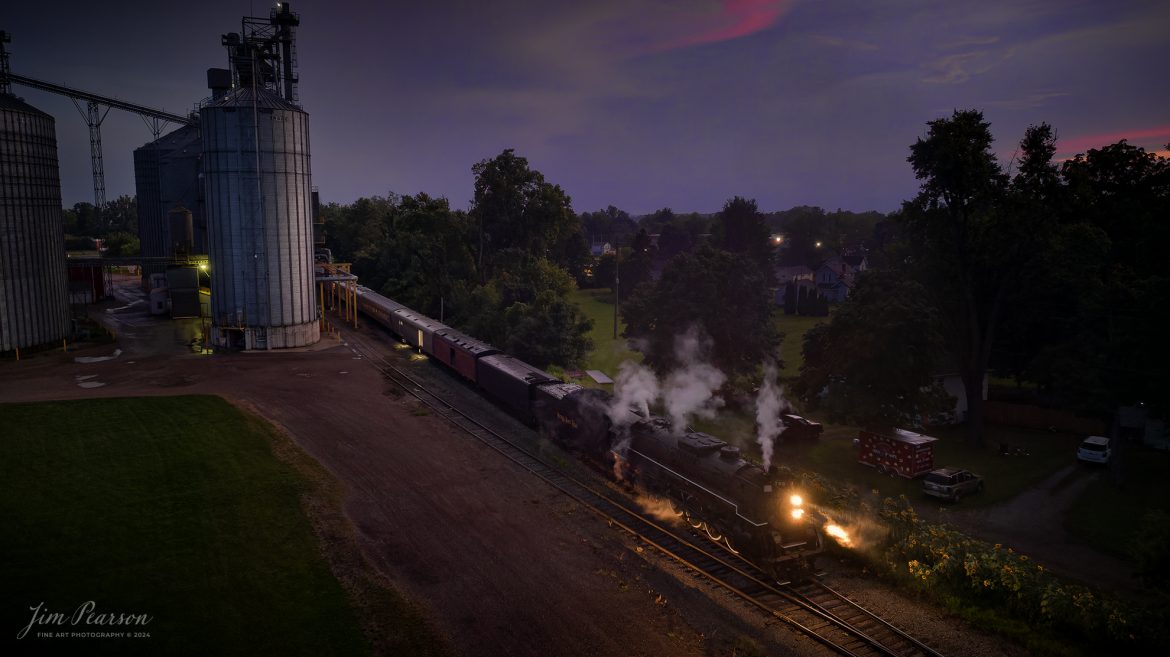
column 459, row 351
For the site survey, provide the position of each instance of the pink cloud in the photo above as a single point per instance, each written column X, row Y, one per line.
column 732, row 20
column 1155, row 137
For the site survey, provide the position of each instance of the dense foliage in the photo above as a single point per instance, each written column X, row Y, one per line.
column 500, row 271
column 991, row 583
column 724, row 295
column 515, row 208
column 1048, row 273
column 877, row 356
column 116, row 224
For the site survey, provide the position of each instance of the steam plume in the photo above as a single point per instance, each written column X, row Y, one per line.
column 770, row 403
column 690, row 390
column 636, row 387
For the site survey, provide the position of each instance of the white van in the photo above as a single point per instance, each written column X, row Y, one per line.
column 1094, row 449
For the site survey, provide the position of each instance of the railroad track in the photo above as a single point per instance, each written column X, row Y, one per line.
column 810, row 608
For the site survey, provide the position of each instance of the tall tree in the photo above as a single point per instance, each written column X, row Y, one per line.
column 725, row 295
column 514, row 207
column 121, row 214
column 673, row 240
column 1124, row 192
column 873, row 363
column 525, row 310
column 961, row 243
column 427, row 257
column 530, row 326
column 359, row 234
column 740, row 228
column 657, row 221
column 612, row 225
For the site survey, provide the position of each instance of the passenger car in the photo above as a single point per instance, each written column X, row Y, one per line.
column 951, row 483
column 1094, row 449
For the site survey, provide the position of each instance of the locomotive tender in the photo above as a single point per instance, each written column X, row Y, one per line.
column 709, row 484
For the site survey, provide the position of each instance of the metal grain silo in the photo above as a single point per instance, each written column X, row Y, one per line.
column 260, row 226
column 33, row 292
column 166, row 175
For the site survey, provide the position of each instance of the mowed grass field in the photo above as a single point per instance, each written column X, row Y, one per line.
column 607, row 353
column 173, row 507
column 1004, row 476
column 791, row 352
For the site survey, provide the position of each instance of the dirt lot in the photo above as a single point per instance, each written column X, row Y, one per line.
column 500, row 562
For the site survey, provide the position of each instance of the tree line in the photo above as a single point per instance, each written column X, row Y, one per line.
column 116, row 225
column 1048, row 272
column 500, row 271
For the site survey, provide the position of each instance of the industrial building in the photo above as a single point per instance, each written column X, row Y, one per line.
column 232, row 182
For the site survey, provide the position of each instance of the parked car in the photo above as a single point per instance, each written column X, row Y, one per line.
column 1094, row 449
column 951, row 483
column 800, row 428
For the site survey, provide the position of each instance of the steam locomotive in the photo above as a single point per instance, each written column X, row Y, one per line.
column 708, row 482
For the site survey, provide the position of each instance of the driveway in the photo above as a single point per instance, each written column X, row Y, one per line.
column 1033, row 523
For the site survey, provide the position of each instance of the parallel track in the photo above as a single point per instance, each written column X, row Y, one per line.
column 811, row 608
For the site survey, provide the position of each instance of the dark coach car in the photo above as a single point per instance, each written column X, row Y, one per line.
column 510, row 380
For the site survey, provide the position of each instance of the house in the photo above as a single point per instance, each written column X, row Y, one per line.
column 835, row 276
column 601, row 248
column 793, row 273
column 856, row 263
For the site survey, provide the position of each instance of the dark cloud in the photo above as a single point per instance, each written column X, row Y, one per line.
column 638, row 103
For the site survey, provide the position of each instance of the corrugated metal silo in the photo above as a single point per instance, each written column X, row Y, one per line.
column 166, row 175
column 34, row 306
column 260, row 226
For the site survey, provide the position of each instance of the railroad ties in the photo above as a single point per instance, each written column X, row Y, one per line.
column 810, row 608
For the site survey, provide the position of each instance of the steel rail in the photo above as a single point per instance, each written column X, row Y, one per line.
column 855, row 614
column 748, row 582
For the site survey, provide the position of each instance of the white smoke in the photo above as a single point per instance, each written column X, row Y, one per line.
column 636, row 387
column 690, row 390
column 770, row 403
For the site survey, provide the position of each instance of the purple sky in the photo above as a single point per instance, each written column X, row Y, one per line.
column 636, row 103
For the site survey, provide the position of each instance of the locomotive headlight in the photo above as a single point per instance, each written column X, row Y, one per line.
column 797, row 514
column 796, row 500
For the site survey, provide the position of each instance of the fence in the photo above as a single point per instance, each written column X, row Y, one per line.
column 1038, row 417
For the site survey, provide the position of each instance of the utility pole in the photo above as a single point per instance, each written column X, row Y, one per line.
column 617, row 261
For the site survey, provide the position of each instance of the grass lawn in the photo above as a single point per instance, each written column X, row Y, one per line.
column 794, row 327
column 175, row 507
column 834, row 456
column 607, row 353
column 1108, row 517
column 1004, row 477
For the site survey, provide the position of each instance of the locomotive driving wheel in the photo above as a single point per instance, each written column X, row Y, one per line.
column 695, row 524
column 727, row 542
column 712, row 534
